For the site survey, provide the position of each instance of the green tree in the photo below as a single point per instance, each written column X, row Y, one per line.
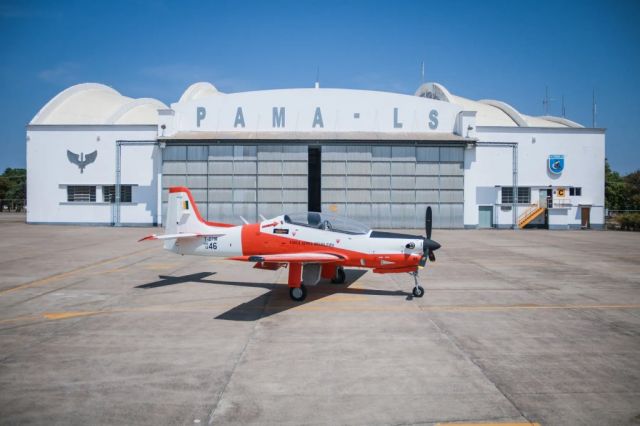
column 632, row 182
column 13, row 184
column 615, row 189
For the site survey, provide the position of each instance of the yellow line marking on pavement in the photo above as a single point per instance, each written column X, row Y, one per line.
column 311, row 307
column 523, row 307
column 65, row 315
column 18, row 319
column 341, row 298
column 62, row 275
column 488, row 424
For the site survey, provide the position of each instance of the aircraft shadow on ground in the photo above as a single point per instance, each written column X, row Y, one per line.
column 277, row 299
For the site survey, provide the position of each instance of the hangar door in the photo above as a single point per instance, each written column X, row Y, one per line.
column 391, row 186
column 231, row 180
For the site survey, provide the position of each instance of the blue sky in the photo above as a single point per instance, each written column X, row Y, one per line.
column 505, row 50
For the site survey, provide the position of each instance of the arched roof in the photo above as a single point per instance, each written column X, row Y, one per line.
column 490, row 112
column 199, row 90
column 93, row 103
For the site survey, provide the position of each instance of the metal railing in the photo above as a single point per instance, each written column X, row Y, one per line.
column 12, row 205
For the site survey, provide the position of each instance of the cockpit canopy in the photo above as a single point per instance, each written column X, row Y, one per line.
column 327, row 221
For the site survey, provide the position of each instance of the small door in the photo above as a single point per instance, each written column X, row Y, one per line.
column 485, row 219
column 585, row 213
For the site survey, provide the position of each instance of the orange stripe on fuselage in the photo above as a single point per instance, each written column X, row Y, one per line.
column 255, row 242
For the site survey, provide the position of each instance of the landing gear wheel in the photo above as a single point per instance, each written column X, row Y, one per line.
column 298, row 293
column 418, row 291
column 340, row 277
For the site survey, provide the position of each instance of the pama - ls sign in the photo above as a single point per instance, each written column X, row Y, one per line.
column 556, row 164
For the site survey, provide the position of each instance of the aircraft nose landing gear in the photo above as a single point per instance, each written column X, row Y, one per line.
column 418, row 291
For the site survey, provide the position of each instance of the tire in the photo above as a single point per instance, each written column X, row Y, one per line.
column 418, row 291
column 298, row 294
column 340, row 277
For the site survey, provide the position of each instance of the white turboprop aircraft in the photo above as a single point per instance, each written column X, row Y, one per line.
column 313, row 245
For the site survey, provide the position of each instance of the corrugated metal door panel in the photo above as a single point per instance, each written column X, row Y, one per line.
column 359, row 153
column 244, row 196
column 329, row 182
column 380, row 168
column 197, row 167
column 358, row 196
column 196, row 182
column 381, row 153
column 360, row 212
column 242, row 181
column 220, row 168
column 381, row 216
column 452, row 154
column 269, row 167
column 244, row 167
column 245, row 210
column 428, row 154
column 269, row 152
column 428, row 169
column 174, row 167
column 403, row 168
column 333, row 167
column 269, row 181
column 270, row 210
column 174, row 153
column 220, row 182
column 451, row 169
column 359, row 182
column 417, row 176
column 197, row 153
column 220, row 153
column 177, row 180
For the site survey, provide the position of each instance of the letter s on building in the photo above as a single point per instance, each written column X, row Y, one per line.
column 433, row 119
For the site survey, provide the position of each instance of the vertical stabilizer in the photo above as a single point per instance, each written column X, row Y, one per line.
column 183, row 216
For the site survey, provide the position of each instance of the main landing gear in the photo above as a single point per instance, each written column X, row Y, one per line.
column 418, row 291
column 340, row 277
column 298, row 293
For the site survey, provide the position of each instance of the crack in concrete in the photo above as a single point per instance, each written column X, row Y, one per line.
column 468, row 357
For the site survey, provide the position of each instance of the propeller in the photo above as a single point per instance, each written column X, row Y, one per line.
column 429, row 246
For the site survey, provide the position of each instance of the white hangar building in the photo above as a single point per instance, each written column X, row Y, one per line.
column 95, row 156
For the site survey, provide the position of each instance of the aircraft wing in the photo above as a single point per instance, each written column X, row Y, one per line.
column 176, row 236
column 310, row 257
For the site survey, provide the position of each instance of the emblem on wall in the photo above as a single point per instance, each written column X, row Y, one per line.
column 556, row 164
column 82, row 160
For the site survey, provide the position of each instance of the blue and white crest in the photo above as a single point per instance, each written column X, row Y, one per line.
column 556, row 164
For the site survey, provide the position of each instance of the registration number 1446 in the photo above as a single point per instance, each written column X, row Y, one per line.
column 211, row 243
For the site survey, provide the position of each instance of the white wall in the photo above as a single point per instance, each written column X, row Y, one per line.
column 50, row 171
column 583, row 150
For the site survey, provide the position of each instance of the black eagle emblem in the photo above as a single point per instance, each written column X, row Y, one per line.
column 82, row 160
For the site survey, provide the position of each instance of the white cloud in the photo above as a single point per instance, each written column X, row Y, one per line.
column 63, row 73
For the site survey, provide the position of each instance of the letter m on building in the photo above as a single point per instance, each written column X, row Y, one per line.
column 278, row 117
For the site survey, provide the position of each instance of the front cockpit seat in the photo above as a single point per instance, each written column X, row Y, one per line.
column 314, row 219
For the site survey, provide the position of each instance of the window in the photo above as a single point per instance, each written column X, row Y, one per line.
column 524, row 195
column 81, row 194
column 109, row 194
column 577, row 192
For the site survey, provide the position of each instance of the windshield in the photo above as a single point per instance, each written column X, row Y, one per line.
column 327, row 221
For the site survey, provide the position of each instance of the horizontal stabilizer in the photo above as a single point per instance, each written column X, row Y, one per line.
column 176, row 236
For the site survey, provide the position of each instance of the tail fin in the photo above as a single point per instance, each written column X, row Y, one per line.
column 183, row 215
